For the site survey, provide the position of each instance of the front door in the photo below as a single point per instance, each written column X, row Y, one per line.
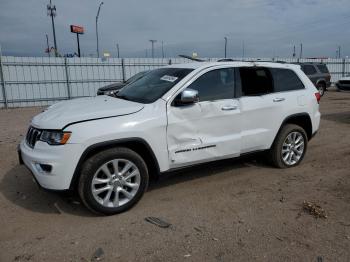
column 210, row 128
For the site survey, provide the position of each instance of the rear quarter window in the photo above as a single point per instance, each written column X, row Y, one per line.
column 323, row 69
column 285, row 80
column 309, row 69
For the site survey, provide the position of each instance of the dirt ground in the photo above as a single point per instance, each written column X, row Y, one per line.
column 234, row 210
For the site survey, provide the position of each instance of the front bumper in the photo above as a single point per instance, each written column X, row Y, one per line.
column 343, row 86
column 62, row 160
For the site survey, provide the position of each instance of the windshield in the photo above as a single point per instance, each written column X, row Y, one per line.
column 153, row 85
column 135, row 77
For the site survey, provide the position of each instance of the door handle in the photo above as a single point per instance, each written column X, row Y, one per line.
column 228, row 108
column 279, row 99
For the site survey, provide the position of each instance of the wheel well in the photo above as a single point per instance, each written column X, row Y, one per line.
column 138, row 145
column 302, row 120
column 323, row 82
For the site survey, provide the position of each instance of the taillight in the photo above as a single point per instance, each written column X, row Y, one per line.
column 318, row 97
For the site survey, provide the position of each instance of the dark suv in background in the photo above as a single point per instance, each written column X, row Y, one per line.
column 112, row 89
column 318, row 74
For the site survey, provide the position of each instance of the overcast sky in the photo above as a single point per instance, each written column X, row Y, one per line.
column 266, row 27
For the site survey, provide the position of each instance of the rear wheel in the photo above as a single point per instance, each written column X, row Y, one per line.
column 290, row 146
column 321, row 88
column 113, row 180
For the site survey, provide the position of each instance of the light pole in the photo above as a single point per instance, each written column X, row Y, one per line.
column 51, row 11
column 152, row 42
column 98, row 13
column 47, row 44
column 225, row 46
column 163, row 49
column 118, row 51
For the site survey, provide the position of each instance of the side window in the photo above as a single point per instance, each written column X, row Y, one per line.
column 215, row 85
column 285, row 80
column 323, row 69
column 308, row 69
column 255, row 81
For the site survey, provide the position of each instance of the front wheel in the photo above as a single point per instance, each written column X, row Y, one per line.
column 289, row 147
column 112, row 181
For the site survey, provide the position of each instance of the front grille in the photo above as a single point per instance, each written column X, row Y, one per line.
column 32, row 136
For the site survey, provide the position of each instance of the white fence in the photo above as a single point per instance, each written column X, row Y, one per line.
column 40, row 81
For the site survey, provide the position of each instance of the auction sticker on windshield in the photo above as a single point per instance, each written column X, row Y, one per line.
column 169, row 78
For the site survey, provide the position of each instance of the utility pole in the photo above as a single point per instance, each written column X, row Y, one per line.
column 301, row 51
column 152, row 42
column 339, row 52
column 162, row 49
column 225, row 46
column 98, row 13
column 118, row 51
column 51, row 11
column 294, row 52
column 47, row 45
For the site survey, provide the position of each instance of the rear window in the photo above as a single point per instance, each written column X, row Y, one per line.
column 323, row 69
column 285, row 80
column 309, row 69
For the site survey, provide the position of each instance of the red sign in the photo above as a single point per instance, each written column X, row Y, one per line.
column 77, row 29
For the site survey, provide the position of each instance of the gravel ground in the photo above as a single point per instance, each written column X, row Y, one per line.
column 233, row 210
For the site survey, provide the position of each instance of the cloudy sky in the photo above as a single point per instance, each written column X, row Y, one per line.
column 265, row 28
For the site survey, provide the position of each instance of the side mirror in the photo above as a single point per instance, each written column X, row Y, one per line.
column 187, row 97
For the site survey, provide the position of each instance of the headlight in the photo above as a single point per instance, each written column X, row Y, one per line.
column 55, row 137
column 109, row 93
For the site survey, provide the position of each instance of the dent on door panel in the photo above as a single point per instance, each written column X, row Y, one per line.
column 200, row 132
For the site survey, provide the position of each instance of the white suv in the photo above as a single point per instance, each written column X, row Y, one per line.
column 176, row 116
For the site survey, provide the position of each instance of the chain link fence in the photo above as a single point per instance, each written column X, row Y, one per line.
column 41, row 81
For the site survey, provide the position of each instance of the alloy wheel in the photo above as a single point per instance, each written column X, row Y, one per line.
column 293, row 148
column 115, row 183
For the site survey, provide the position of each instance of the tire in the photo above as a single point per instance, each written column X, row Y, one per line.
column 282, row 146
column 321, row 88
column 105, row 191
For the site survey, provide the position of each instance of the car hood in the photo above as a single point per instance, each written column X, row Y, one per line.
column 112, row 87
column 64, row 113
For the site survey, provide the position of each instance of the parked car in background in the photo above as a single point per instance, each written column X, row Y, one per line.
column 113, row 88
column 318, row 74
column 343, row 84
column 106, row 148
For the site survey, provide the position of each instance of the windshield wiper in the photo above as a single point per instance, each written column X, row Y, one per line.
column 122, row 97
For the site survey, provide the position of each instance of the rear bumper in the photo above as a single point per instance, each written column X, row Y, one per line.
column 61, row 159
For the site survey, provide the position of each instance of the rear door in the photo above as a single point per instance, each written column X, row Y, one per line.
column 209, row 129
column 259, row 108
column 311, row 73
